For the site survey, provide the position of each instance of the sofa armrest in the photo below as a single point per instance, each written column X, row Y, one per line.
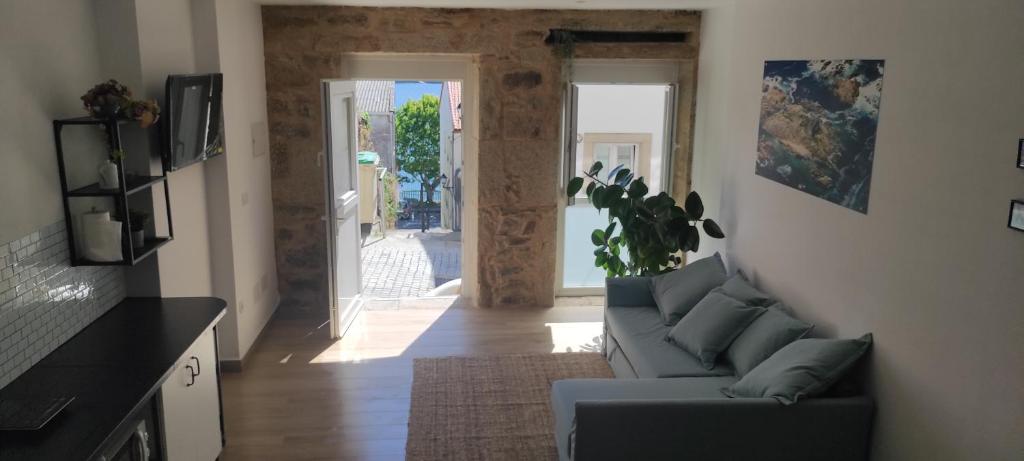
column 628, row 292
column 723, row 429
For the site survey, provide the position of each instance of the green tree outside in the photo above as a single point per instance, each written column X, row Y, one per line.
column 418, row 141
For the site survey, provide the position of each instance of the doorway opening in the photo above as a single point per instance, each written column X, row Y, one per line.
column 445, row 198
column 411, row 168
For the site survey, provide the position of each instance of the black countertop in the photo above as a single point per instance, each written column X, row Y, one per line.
column 112, row 367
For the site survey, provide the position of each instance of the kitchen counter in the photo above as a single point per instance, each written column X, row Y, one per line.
column 112, row 368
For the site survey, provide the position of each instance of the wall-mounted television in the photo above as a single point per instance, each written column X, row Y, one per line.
column 194, row 126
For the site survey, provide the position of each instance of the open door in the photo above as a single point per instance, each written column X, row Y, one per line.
column 342, row 204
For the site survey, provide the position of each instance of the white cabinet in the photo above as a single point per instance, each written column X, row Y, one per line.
column 190, row 404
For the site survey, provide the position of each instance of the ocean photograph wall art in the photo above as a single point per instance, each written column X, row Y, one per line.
column 818, row 124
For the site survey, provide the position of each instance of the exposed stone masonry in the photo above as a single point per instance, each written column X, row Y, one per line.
column 520, row 112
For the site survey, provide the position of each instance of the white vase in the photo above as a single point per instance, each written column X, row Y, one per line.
column 108, row 176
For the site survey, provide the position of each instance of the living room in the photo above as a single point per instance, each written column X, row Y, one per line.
column 854, row 158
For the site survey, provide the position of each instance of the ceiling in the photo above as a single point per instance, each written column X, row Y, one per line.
column 517, row 4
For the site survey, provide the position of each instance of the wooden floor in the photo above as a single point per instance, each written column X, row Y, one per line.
column 305, row 396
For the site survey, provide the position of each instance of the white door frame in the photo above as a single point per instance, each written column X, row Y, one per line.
column 440, row 67
column 611, row 71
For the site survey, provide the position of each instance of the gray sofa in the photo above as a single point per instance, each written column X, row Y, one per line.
column 666, row 406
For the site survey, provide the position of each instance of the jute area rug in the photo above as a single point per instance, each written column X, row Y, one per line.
column 490, row 408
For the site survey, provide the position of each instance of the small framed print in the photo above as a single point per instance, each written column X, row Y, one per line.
column 1017, row 215
column 1020, row 153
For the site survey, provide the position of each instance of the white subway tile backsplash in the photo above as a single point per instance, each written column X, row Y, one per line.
column 44, row 301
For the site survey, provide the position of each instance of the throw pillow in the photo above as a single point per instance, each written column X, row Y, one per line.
column 711, row 326
column 770, row 332
column 678, row 291
column 739, row 288
column 804, row 368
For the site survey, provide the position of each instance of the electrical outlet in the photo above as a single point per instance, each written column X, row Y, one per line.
column 241, row 307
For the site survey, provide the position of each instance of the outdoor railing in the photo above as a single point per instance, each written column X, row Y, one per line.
column 415, row 197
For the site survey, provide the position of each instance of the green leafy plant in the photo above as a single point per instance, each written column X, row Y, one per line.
column 391, row 208
column 365, row 132
column 653, row 230
column 418, row 141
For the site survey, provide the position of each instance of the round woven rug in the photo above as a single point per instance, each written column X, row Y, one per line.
column 490, row 408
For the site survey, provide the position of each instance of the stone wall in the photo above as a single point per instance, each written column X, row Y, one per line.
column 520, row 109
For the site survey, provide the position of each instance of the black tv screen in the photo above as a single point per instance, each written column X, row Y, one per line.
column 194, row 130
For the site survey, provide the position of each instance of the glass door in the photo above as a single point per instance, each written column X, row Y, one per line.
column 342, row 204
column 615, row 124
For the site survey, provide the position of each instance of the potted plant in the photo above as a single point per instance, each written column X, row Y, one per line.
column 111, row 99
column 653, row 229
column 138, row 220
column 107, row 99
column 146, row 112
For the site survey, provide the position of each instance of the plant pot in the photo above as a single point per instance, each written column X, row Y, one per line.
column 108, row 176
column 107, row 110
column 138, row 238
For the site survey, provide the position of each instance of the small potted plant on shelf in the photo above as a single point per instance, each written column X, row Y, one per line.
column 139, row 220
column 107, row 99
column 112, row 99
column 146, row 112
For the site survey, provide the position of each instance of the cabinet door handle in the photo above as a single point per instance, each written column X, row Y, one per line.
column 191, row 376
column 198, row 370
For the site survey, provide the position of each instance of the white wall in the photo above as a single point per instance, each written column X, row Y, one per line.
column 931, row 269
column 166, row 47
column 240, row 44
column 48, row 58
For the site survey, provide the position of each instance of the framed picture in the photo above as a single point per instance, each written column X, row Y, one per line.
column 818, row 124
column 1017, row 215
column 1020, row 153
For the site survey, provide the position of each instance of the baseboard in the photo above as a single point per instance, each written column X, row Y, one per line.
column 236, row 365
column 231, row 366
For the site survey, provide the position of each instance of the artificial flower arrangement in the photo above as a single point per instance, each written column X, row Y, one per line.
column 113, row 99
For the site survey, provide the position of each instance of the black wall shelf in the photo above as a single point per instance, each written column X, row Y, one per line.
column 129, row 185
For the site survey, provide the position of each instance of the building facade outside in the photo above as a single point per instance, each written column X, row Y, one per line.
column 451, row 155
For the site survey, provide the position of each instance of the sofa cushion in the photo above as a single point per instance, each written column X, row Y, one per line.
column 770, row 332
column 712, row 325
column 565, row 393
column 678, row 291
column 640, row 336
column 801, row 369
column 739, row 288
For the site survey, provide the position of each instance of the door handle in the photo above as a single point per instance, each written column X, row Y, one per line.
column 199, row 371
column 191, row 375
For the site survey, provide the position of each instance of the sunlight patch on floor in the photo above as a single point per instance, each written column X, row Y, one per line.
column 575, row 336
column 379, row 334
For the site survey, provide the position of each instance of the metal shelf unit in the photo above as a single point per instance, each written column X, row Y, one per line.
column 129, row 185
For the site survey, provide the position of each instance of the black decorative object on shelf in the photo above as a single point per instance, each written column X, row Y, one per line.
column 128, row 185
column 1016, row 220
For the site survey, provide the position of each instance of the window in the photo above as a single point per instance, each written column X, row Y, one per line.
column 611, row 155
column 615, row 124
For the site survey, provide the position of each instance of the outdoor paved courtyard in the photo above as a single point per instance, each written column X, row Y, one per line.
column 409, row 263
